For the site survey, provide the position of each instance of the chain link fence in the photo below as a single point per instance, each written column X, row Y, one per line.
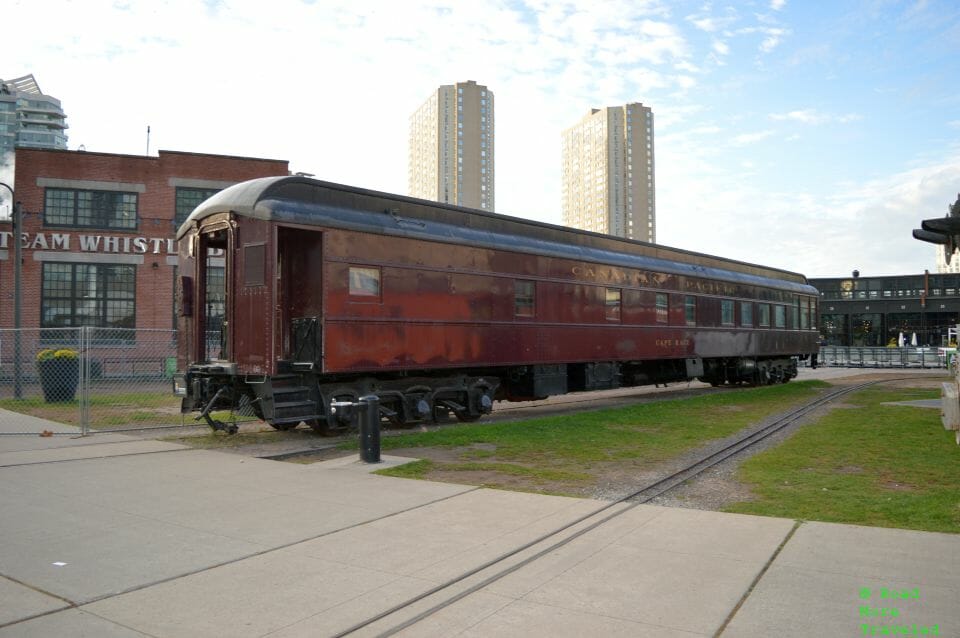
column 85, row 380
column 855, row 357
column 69, row 381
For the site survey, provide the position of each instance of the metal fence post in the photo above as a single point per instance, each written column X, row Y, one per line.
column 370, row 429
column 84, row 339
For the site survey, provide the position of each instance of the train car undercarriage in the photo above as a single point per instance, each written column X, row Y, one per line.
column 286, row 400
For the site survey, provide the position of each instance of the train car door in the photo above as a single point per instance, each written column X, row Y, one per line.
column 213, row 286
column 299, row 288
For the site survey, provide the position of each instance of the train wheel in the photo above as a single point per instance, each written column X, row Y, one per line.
column 763, row 377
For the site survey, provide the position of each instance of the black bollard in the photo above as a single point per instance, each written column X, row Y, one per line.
column 370, row 429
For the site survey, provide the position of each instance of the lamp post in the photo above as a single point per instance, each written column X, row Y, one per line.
column 17, row 264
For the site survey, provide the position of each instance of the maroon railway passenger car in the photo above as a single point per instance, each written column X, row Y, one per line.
column 295, row 293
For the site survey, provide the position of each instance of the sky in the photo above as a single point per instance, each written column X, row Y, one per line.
column 810, row 136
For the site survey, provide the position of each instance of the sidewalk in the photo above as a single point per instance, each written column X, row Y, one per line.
column 116, row 536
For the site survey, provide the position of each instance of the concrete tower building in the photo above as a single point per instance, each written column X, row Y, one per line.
column 28, row 118
column 607, row 173
column 942, row 265
column 451, row 147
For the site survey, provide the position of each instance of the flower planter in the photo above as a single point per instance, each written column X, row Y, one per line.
column 59, row 378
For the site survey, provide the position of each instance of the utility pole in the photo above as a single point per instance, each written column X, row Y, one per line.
column 17, row 279
column 17, row 264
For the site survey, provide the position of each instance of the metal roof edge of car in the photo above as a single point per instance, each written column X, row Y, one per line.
column 270, row 198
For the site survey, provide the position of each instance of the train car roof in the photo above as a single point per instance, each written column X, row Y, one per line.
column 305, row 201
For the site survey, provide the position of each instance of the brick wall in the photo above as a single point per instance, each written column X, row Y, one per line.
column 147, row 247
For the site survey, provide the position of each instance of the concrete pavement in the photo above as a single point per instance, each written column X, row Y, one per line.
column 116, row 536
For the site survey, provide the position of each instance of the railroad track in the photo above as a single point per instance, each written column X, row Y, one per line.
column 501, row 567
column 510, row 412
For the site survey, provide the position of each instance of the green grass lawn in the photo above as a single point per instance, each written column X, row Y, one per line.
column 882, row 465
column 114, row 409
column 562, row 454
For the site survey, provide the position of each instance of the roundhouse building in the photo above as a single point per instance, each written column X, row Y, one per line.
column 875, row 311
column 98, row 233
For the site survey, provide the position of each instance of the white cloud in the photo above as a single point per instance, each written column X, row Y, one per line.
column 774, row 37
column 811, row 116
column 705, row 24
column 686, row 66
column 713, row 23
column 750, row 138
column 827, row 234
column 329, row 85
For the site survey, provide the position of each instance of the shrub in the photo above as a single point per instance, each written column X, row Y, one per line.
column 49, row 354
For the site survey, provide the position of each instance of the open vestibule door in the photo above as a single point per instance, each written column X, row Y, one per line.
column 299, row 289
column 213, row 285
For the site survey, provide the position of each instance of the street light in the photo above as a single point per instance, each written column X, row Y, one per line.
column 17, row 263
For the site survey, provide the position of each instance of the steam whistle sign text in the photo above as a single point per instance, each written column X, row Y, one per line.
column 92, row 243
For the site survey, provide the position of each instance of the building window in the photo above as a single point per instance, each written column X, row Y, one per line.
column 524, row 298
column 187, row 199
column 726, row 312
column 662, row 308
column 98, row 295
column 90, row 209
column 746, row 314
column 779, row 317
column 764, row 315
column 690, row 309
column 365, row 282
column 612, row 305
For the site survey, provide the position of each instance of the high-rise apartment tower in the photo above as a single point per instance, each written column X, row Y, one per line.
column 451, row 147
column 607, row 173
column 29, row 118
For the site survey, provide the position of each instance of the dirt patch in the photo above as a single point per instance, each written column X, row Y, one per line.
column 436, row 454
column 850, row 469
column 898, row 487
column 844, row 406
column 914, row 380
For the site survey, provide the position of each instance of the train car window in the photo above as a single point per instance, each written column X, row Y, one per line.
column 186, row 296
column 364, row 282
column 746, row 314
column 690, row 310
column 779, row 316
column 524, row 299
column 726, row 312
column 613, row 302
column 254, row 264
column 764, row 315
column 662, row 309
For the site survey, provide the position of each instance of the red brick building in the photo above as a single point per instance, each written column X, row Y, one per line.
column 98, row 233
